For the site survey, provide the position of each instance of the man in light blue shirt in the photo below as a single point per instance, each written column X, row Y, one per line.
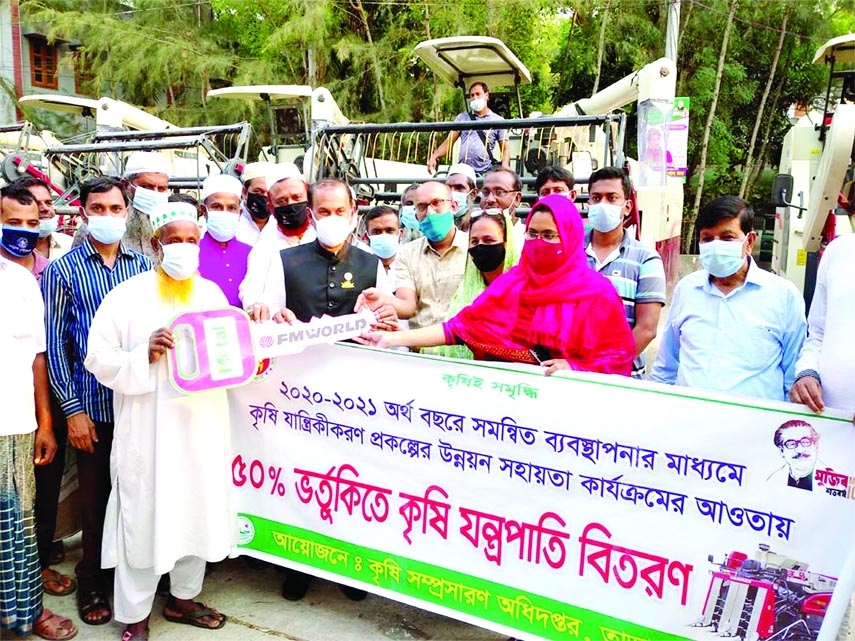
column 732, row 326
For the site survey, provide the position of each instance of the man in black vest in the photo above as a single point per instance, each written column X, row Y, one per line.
column 325, row 276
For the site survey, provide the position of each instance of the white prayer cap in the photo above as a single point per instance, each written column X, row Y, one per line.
column 144, row 162
column 255, row 170
column 172, row 212
column 221, row 184
column 282, row 171
column 463, row 168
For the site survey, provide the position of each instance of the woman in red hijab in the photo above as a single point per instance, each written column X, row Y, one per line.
column 551, row 308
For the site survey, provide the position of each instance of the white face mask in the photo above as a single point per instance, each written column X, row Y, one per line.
column 47, row 226
column 477, row 104
column 107, row 229
column 462, row 200
column 222, row 225
column 333, row 230
column 180, row 260
column 605, row 217
column 146, row 200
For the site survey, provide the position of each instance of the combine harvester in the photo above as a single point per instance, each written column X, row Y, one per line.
column 119, row 129
column 816, row 162
column 382, row 159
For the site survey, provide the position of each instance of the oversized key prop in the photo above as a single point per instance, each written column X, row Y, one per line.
column 222, row 348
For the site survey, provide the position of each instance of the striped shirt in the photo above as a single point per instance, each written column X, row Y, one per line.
column 73, row 287
column 637, row 273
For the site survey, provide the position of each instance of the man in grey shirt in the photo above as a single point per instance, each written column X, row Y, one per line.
column 477, row 148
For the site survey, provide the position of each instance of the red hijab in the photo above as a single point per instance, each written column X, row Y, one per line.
column 572, row 312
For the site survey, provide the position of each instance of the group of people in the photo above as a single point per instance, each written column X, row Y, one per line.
column 473, row 280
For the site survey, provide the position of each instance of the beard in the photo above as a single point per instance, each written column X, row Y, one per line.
column 171, row 290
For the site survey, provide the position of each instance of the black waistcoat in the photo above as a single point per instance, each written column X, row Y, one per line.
column 318, row 282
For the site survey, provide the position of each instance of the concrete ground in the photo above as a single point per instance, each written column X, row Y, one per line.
column 251, row 599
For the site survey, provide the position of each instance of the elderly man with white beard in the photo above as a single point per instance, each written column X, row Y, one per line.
column 170, row 509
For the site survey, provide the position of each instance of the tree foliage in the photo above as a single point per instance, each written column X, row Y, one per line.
column 164, row 55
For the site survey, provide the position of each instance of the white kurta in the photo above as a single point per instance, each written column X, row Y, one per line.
column 170, row 463
column 830, row 346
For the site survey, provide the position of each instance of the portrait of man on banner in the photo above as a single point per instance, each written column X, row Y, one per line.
column 798, row 443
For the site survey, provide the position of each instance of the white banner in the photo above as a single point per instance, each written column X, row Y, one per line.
column 575, row 506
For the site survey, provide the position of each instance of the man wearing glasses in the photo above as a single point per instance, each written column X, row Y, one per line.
column 503, row 190
column 428, row 269
column 476, row 147
column 798, row 443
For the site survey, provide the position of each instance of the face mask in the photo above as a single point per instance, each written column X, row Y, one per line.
column 722, row 258
column 478, row 104
column 291, row 216
column 47, row 226
column 146, row 200
column 487, row 257
column 107, row 229
column 18, row 241
column 408, row 217
column 180, row 260
column 384, row 245
column 256, row 205
column 222, row 225
column 435, row 227
column 543, row 257
column 333, row 230
column 605, row 217
column 462, row 201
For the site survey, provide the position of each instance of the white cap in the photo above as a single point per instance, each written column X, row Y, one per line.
column 172, row 212
column 466, row 170
column 282, row 171
column 144, row 162
column 221, row 184
column 255, row 170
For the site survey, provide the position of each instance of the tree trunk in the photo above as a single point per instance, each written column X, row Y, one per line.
column 684, row 26
column 375, row 61
column 764, row 145
column 749, row 164
column 702, row 166
column 601, row 48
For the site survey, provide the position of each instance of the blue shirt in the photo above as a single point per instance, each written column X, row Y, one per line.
column 73, row 287
column 638, row 275
column 745, row 342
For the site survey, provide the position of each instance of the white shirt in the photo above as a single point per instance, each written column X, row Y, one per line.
column 248, row 231
column 273, row 292
column 830, row 346
column 171, row 491
column 22, row 337
column 262, row 259
column 60, row 244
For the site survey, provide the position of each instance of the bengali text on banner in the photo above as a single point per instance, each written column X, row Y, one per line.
column 577, row 506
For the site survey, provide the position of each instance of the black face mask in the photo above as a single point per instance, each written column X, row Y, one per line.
column 291, row 216
column 487, row 257
column 256, row 205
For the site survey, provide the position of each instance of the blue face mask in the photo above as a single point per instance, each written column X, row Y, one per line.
column 722, row 258
column 435, row 227
column 384, row 245
column 18, row 241
column 408, row 217
column 462, row 200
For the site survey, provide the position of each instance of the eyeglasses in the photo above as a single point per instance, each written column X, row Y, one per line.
column 435, row 204
column 498, row 193
column 805, row 441
column 549, row 236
